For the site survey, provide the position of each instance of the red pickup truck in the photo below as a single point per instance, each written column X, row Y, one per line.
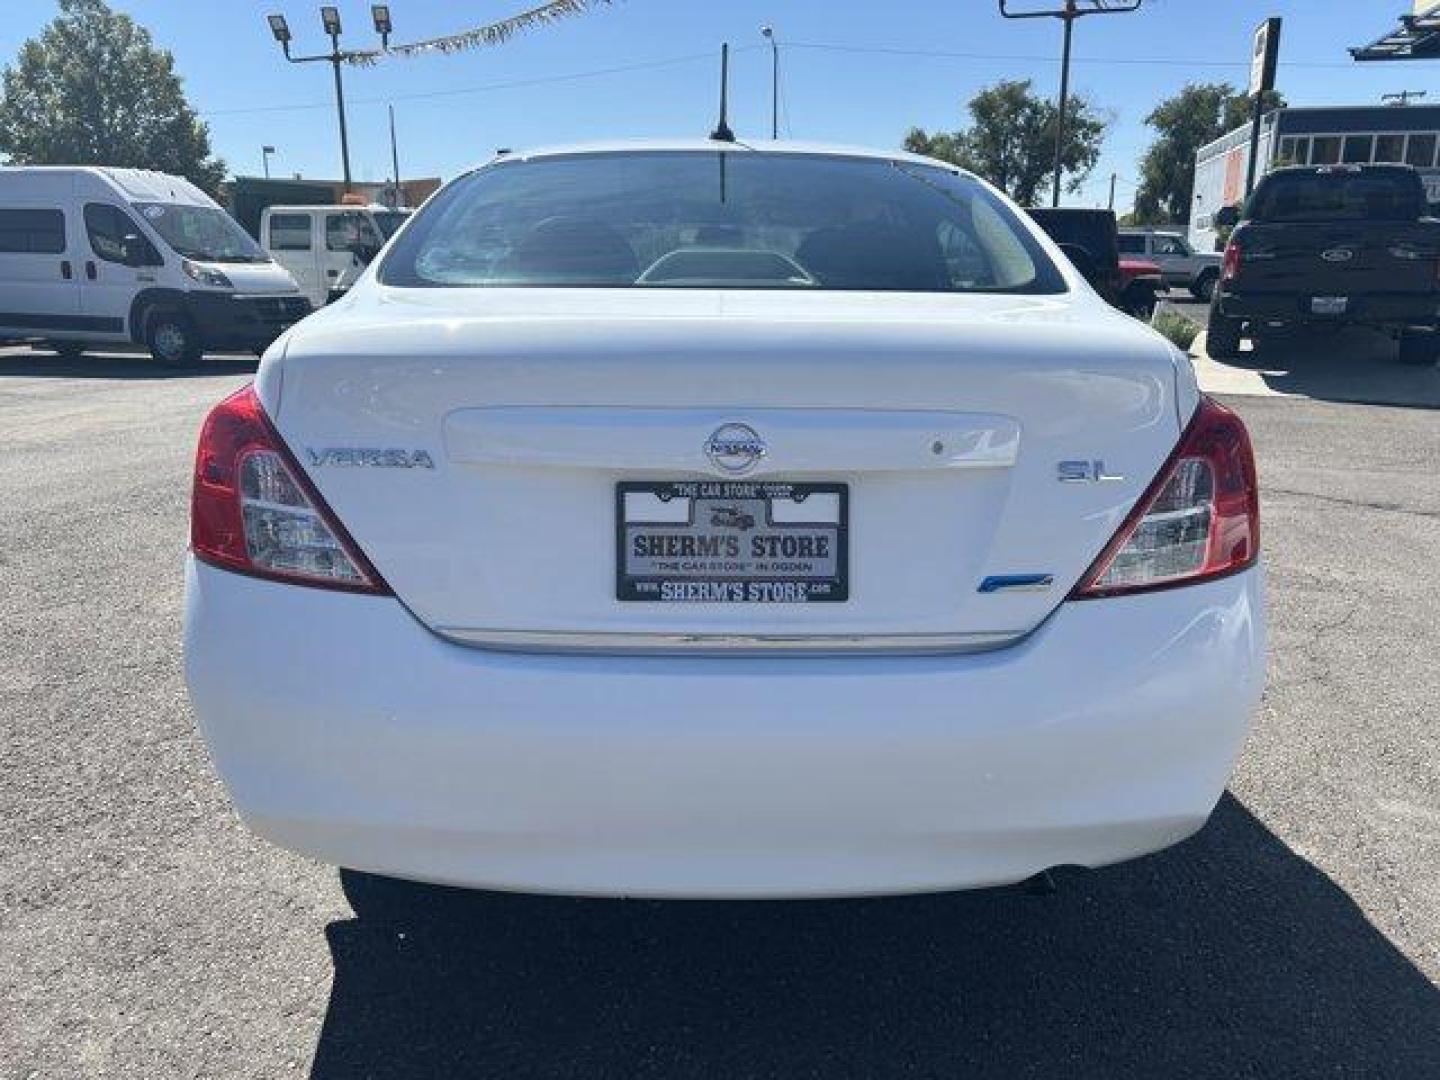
column 1140, row 281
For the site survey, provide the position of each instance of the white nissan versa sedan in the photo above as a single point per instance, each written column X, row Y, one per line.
column 693, row 519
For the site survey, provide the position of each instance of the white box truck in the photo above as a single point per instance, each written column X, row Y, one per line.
column 327, row 247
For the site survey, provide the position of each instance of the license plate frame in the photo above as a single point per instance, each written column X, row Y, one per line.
column 1329, row 305
column 810, row 561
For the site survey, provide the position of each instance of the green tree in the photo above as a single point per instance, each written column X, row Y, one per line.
column 1011, row 140
column 93, row 89
column 1198, row 114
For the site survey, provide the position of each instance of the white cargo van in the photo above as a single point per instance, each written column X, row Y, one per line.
column 326, row 247
column 97, row 256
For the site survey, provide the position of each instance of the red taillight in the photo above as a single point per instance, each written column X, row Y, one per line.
column 254, row 510
column 1230, row 267
column 1199, row 519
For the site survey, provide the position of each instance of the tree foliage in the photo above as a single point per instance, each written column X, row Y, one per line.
column 1198, row 114
column 93, row 89
column 1011, row 140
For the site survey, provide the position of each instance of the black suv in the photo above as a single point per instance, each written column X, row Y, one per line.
column 1335, row 245
column 1090, row 240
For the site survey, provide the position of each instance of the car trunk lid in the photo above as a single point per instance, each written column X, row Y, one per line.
column 479, row 445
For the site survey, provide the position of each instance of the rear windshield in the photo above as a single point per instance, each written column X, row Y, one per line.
column 720, row 220
column 1389, row 195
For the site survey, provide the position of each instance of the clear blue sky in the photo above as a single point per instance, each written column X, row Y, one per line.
column 646, row 67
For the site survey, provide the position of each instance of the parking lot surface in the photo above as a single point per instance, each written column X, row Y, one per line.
column 146, row 934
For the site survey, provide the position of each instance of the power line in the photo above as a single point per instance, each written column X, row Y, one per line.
column 513, row 84
column 1161, row 61
column 692, row 58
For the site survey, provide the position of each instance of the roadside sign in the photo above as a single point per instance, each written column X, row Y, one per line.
column 1263, row 58
column 1262, row 80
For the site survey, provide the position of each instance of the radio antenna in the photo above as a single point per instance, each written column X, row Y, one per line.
column 722, row 132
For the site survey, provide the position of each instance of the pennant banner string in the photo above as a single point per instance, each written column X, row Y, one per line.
column 481, row 36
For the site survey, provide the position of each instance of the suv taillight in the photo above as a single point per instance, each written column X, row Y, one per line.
column 1230, row 266
column 254, row 510
column 1199, row 519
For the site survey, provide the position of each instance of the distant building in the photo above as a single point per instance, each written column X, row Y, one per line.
column 1313, row 136
column 246, row 196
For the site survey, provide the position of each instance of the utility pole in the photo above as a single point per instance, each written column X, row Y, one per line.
column 1073, row 9
column 769, row 34
column 1112, row 191
column 265, row 152
column 395, row 160
column 330, row 19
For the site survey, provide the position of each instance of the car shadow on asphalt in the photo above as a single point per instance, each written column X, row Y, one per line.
column 41, row 364
column 1228, row 956
column 1351, row 366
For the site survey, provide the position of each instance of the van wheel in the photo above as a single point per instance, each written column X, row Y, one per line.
column 1419, row 348
column 1222, row 335
column 172, row 339
column 1204, row 287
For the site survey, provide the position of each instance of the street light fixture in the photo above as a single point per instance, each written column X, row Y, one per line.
column 330, row 19
column 1073, row 9
column 768, row 32
column 381, row 14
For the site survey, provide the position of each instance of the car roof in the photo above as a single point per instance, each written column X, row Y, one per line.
column 145, row 185
column 784, row 146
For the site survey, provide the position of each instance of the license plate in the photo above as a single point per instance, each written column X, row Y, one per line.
column 1329, row 305
column 732, row 542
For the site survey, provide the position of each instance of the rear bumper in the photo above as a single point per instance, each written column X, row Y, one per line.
column 1386, row 309
column 244, row 321
column 347, row 731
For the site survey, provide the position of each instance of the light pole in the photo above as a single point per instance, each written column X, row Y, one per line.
column 769, row 34
column 395, row 161
column 330, row 19
column 265, row 152
column 1073, row 9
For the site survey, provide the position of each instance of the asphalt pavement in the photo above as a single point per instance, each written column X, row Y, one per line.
column 147, row 934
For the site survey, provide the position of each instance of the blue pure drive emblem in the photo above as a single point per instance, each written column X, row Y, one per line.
column 372, row 457
column 734, row 448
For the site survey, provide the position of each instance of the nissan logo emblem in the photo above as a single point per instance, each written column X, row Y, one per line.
column 734, row 448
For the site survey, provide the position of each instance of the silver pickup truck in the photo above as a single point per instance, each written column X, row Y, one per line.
column 1180, row 265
